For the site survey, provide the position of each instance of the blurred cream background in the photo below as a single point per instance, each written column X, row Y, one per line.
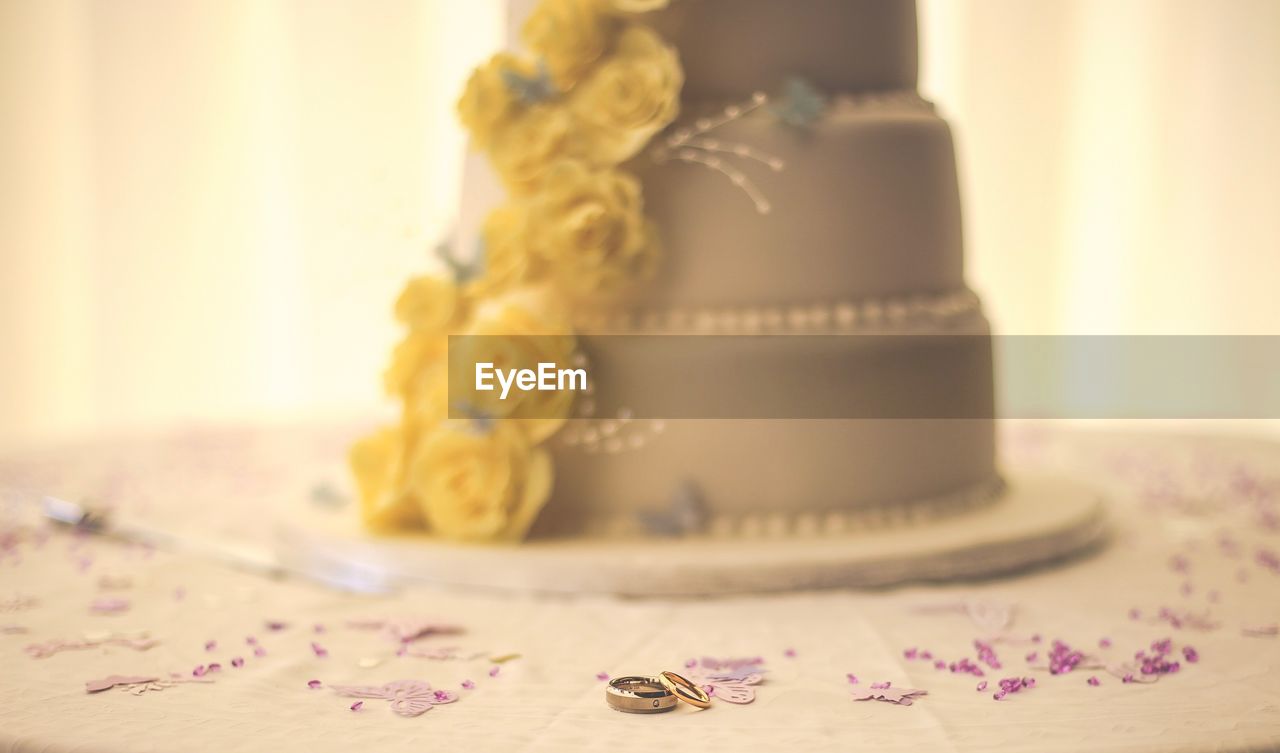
column 208, row 206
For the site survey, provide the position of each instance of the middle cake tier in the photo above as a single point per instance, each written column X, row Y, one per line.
column 862, row 202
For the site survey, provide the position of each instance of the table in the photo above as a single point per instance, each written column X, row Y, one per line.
column 1192, row 559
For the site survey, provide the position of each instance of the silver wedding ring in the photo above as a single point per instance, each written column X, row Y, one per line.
column 639, row 695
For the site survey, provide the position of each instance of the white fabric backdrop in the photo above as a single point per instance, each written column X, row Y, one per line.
column 206, row 206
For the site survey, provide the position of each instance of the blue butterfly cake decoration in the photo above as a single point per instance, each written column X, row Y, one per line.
column 800, row 105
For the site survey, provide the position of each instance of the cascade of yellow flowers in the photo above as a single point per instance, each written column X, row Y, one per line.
column 557, row 124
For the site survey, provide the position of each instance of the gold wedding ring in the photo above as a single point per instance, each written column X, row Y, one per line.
column 685, row 690
column 639, row 695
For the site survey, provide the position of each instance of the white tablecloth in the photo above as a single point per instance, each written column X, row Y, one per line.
column 1191, row 559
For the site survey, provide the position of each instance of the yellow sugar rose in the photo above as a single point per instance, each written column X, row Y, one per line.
column 426, row 398
column 633, row 94
column 410, row 356
column 377, row 464
column 589, row 226
column 638, row 6
column 570, row 35
column 508, row 259
column 519, row 331
column 429, row 305
column 478, row 483
column 526, row 148
column 487, row 102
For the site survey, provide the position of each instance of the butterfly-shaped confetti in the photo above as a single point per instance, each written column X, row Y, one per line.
column 108, row 605
column 407, row 697
column 406, row 629
column 1131, row 672
column 992, row 618
column 112, row 582
column 729, row 687
column 136, row 641
column 730, row 680
column 139, row 684
column 1185, row 618
column 900, row 696
column 441, row 653
column 19, row 603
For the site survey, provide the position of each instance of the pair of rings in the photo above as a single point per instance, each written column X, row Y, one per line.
column 642, row 694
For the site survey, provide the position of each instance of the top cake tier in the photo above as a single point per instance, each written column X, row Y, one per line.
column 731, row 48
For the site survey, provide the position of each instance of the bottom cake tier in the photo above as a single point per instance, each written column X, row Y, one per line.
column 832, row 476
column 808, row 434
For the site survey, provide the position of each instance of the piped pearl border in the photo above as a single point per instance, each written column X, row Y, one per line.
column 842, row 522
column 818, row 523
column 888, row 99
column 866, row 315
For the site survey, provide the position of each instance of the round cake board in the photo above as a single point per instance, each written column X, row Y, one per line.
column 1039, row 519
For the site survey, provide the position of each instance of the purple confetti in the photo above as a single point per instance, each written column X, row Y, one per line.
column 1013, row 685
column 852, row 678
column 357, row 705
column 237, row 662
column 320, row 651
column 1094, row 681
column 494, row 671
column 966, row 666
column 468, row 685
column 210, row 645
column 259, row 651
column 313, row 684
column 109, row 606
column 602, row 676
column 987, row 654
column 982, row 686
column 789, row 653
column 1063, row 659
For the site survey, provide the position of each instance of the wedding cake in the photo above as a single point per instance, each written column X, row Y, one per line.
column 761, row 174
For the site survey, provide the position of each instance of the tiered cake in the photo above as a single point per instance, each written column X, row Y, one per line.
column 861, row 234
column 762, row 173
